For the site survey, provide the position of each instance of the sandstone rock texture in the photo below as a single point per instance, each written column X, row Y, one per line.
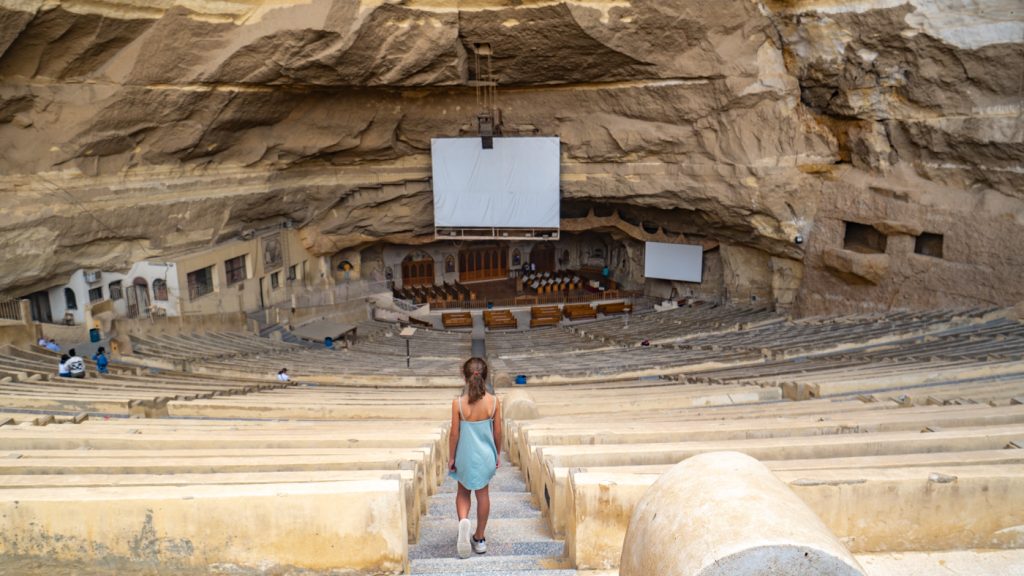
column 132, row 129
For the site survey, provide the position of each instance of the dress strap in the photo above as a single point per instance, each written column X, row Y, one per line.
column 494, row 407
column 461, row 415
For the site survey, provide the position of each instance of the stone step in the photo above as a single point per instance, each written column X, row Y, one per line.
column 495, row 547
column 498, row 484
column 541, row 572
column 442, row 531
column 503, row 505
column 540, row 564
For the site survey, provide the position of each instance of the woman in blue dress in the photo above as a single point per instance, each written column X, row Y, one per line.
column 473, row 448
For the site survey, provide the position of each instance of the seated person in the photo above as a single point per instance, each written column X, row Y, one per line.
column 75, row 365
column 51, row 345
column 42, row 342
column 62, row 368
column 282, row 375
column 100, row 358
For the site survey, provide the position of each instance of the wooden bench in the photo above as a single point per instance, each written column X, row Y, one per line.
column 545, row 316
column 494, row 319
column 578, row 311
column 457, row 320
column 614, row 308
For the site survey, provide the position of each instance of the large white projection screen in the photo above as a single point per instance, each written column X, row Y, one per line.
column 682, row 262
column 513, row 185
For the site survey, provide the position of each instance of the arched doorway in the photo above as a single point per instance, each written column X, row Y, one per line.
column 543, row 256
column 418, row 270
column 137, row 298
column 483, row 263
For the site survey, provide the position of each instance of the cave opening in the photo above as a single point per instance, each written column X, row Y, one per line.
column 863, row 238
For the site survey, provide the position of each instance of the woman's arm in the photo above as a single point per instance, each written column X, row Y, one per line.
column 453, row 434
column 497, row 426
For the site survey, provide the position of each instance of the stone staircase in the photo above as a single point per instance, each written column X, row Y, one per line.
column 519, row 542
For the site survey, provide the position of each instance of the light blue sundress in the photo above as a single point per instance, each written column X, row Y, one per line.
column 476, row 457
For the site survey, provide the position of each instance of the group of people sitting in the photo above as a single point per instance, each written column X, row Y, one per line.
column 50, row 344
column 72, row 366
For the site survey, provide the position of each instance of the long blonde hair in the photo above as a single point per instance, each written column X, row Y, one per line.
column 475, row 373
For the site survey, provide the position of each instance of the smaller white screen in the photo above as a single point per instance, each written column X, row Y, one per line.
column 682, row 262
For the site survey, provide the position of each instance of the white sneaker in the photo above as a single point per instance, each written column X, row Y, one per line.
column 480, row 546
column 462, row 545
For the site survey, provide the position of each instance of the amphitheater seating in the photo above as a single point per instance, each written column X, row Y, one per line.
column 895, row 404
column 366, row 472
column 577, row 467
column 881, row 423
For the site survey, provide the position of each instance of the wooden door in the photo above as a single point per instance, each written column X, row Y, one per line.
column 483, row 263
column 418, row 272
column 543, row 255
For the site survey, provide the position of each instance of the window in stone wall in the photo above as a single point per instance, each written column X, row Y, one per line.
column 928, row 244
column 115, row 290
column 275, row 280
column 96, row 294
column 234, row 269
column 863, row 238
column 71, row 302
column 200, row 282
column 160, row 290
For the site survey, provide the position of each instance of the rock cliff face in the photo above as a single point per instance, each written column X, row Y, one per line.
column 132, row 128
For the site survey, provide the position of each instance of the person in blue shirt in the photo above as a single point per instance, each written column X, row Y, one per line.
column 52, row 346
column 100, row 357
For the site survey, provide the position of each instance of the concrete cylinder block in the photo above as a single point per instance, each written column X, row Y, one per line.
column 502, row 380
column 519, row 405
column 726, row 514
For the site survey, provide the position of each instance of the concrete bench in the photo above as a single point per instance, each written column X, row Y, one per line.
column 318, row 526
column 871, row 510
column 542, row 460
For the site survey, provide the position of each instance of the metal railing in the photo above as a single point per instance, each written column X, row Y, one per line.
column 340, row 293
column 407, row 305
column 533, row 300
column 10, row 309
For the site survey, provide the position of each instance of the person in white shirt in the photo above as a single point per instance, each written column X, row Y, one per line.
column 75, row 365
column 42, row 342
column 282, row 375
